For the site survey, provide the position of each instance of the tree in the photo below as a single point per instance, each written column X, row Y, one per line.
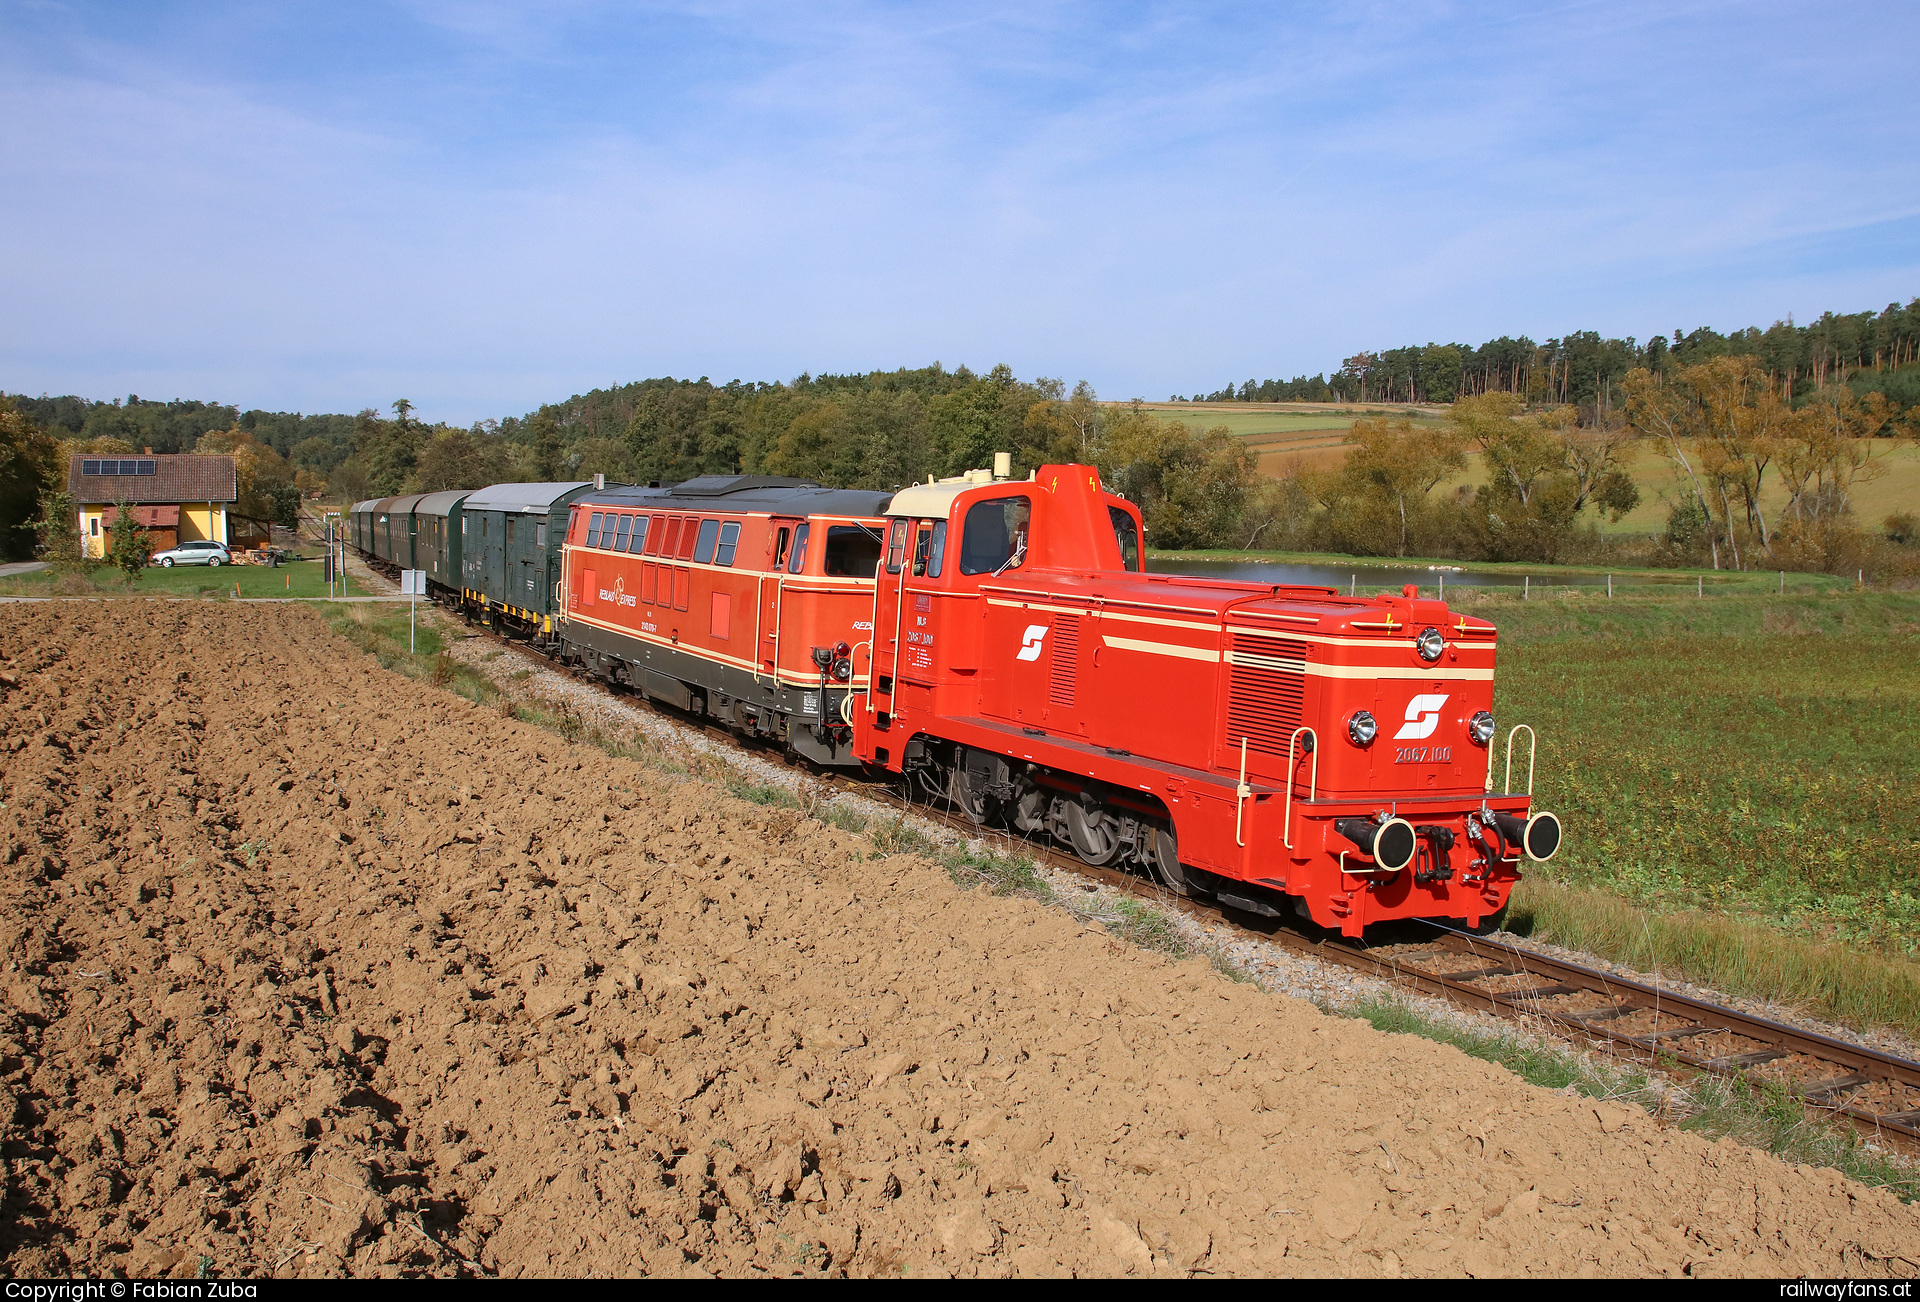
column 1394, row 464
column 29, row 469
column 129, row 547
column 548, row 451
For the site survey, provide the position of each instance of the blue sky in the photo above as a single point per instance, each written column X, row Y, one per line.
column 483, row 206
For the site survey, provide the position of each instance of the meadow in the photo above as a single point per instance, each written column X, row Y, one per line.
column 1740, row 784
column 299, row 578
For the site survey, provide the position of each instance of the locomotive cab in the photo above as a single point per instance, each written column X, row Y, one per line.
column 1278, row 747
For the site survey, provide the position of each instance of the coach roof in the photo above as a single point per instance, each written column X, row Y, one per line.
column 441, row 504
column 743, row 495
column 529, row 499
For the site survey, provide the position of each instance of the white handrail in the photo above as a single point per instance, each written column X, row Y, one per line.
column 1240, row 795
column 1533, row 746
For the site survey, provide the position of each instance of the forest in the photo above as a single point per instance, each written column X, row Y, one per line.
column 1870, row 352
column 1741, row 418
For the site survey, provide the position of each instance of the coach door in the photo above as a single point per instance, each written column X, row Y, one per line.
column 782, row 536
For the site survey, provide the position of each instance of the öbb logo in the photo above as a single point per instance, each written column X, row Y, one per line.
column 1423, row 716
column 1030, row 644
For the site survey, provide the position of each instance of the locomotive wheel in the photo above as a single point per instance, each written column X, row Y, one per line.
column 977, row 805
column 1164, row 855
column 1093, row 833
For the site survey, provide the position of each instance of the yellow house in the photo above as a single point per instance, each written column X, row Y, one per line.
column 176, row 498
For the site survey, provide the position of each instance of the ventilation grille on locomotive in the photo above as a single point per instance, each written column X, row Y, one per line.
column 1267, row 680
column 1064, row 664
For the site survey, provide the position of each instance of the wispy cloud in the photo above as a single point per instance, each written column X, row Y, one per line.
column 484, row 206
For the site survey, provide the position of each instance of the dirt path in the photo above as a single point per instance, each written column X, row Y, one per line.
column 311, row 969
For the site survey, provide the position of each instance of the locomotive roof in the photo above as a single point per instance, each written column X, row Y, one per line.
column 774, row 494
column 441, row 503
column 528, row 498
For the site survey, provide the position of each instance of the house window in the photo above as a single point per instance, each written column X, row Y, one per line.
column 93, row 526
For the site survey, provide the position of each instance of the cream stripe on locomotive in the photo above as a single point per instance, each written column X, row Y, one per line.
column 1285, row 635
column 780, row 678
column 1296, row 666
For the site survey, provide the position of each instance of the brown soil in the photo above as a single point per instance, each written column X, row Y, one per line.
column 309, row 969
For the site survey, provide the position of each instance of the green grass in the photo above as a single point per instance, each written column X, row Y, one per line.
column 1549, row 581
column 295, row 579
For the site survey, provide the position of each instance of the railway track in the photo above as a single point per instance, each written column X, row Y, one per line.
column 1878, row 1093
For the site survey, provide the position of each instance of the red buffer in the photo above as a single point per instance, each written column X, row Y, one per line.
column 1274, row 747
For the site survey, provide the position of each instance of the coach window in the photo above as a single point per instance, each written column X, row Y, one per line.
column 897, row 545
column 995, row 535
column 853, row 551
column 620, row 533
column 540, row 535
column 798, row 561
column 729, row 543
column 1128, row 537
column 703, row 550
column 639, row 533
column 593, row 530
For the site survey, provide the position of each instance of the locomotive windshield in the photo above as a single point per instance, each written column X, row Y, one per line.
column 995, row 535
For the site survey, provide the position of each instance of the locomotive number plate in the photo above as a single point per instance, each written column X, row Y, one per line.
column 1423, row 754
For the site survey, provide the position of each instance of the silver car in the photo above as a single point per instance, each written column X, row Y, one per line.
column 194, row 553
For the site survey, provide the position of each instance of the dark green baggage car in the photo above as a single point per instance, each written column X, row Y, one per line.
column 510, row 552
column 436, row 544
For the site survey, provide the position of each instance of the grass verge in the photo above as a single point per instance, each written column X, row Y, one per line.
column 297, row 579
column 1835, row 981
column 1713, row 1107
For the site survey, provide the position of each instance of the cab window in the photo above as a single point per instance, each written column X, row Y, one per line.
column 939, row 554
column 896, row 546
column 1128, row 536
column 853, row 551
column 729, row 543
column 798, row 561
column 993, row 538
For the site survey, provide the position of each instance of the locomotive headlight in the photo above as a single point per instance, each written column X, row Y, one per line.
column 1362, row 728
column 1481, row 728
column 1430, row 644
column 842, row 669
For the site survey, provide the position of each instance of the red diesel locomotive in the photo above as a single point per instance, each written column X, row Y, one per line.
column 1274, row 747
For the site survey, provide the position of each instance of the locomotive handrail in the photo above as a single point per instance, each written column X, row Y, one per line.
column 1533, row 746
column 1313, row 781
column 1240, row 794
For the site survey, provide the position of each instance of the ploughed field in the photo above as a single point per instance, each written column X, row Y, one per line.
column 310, row 969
